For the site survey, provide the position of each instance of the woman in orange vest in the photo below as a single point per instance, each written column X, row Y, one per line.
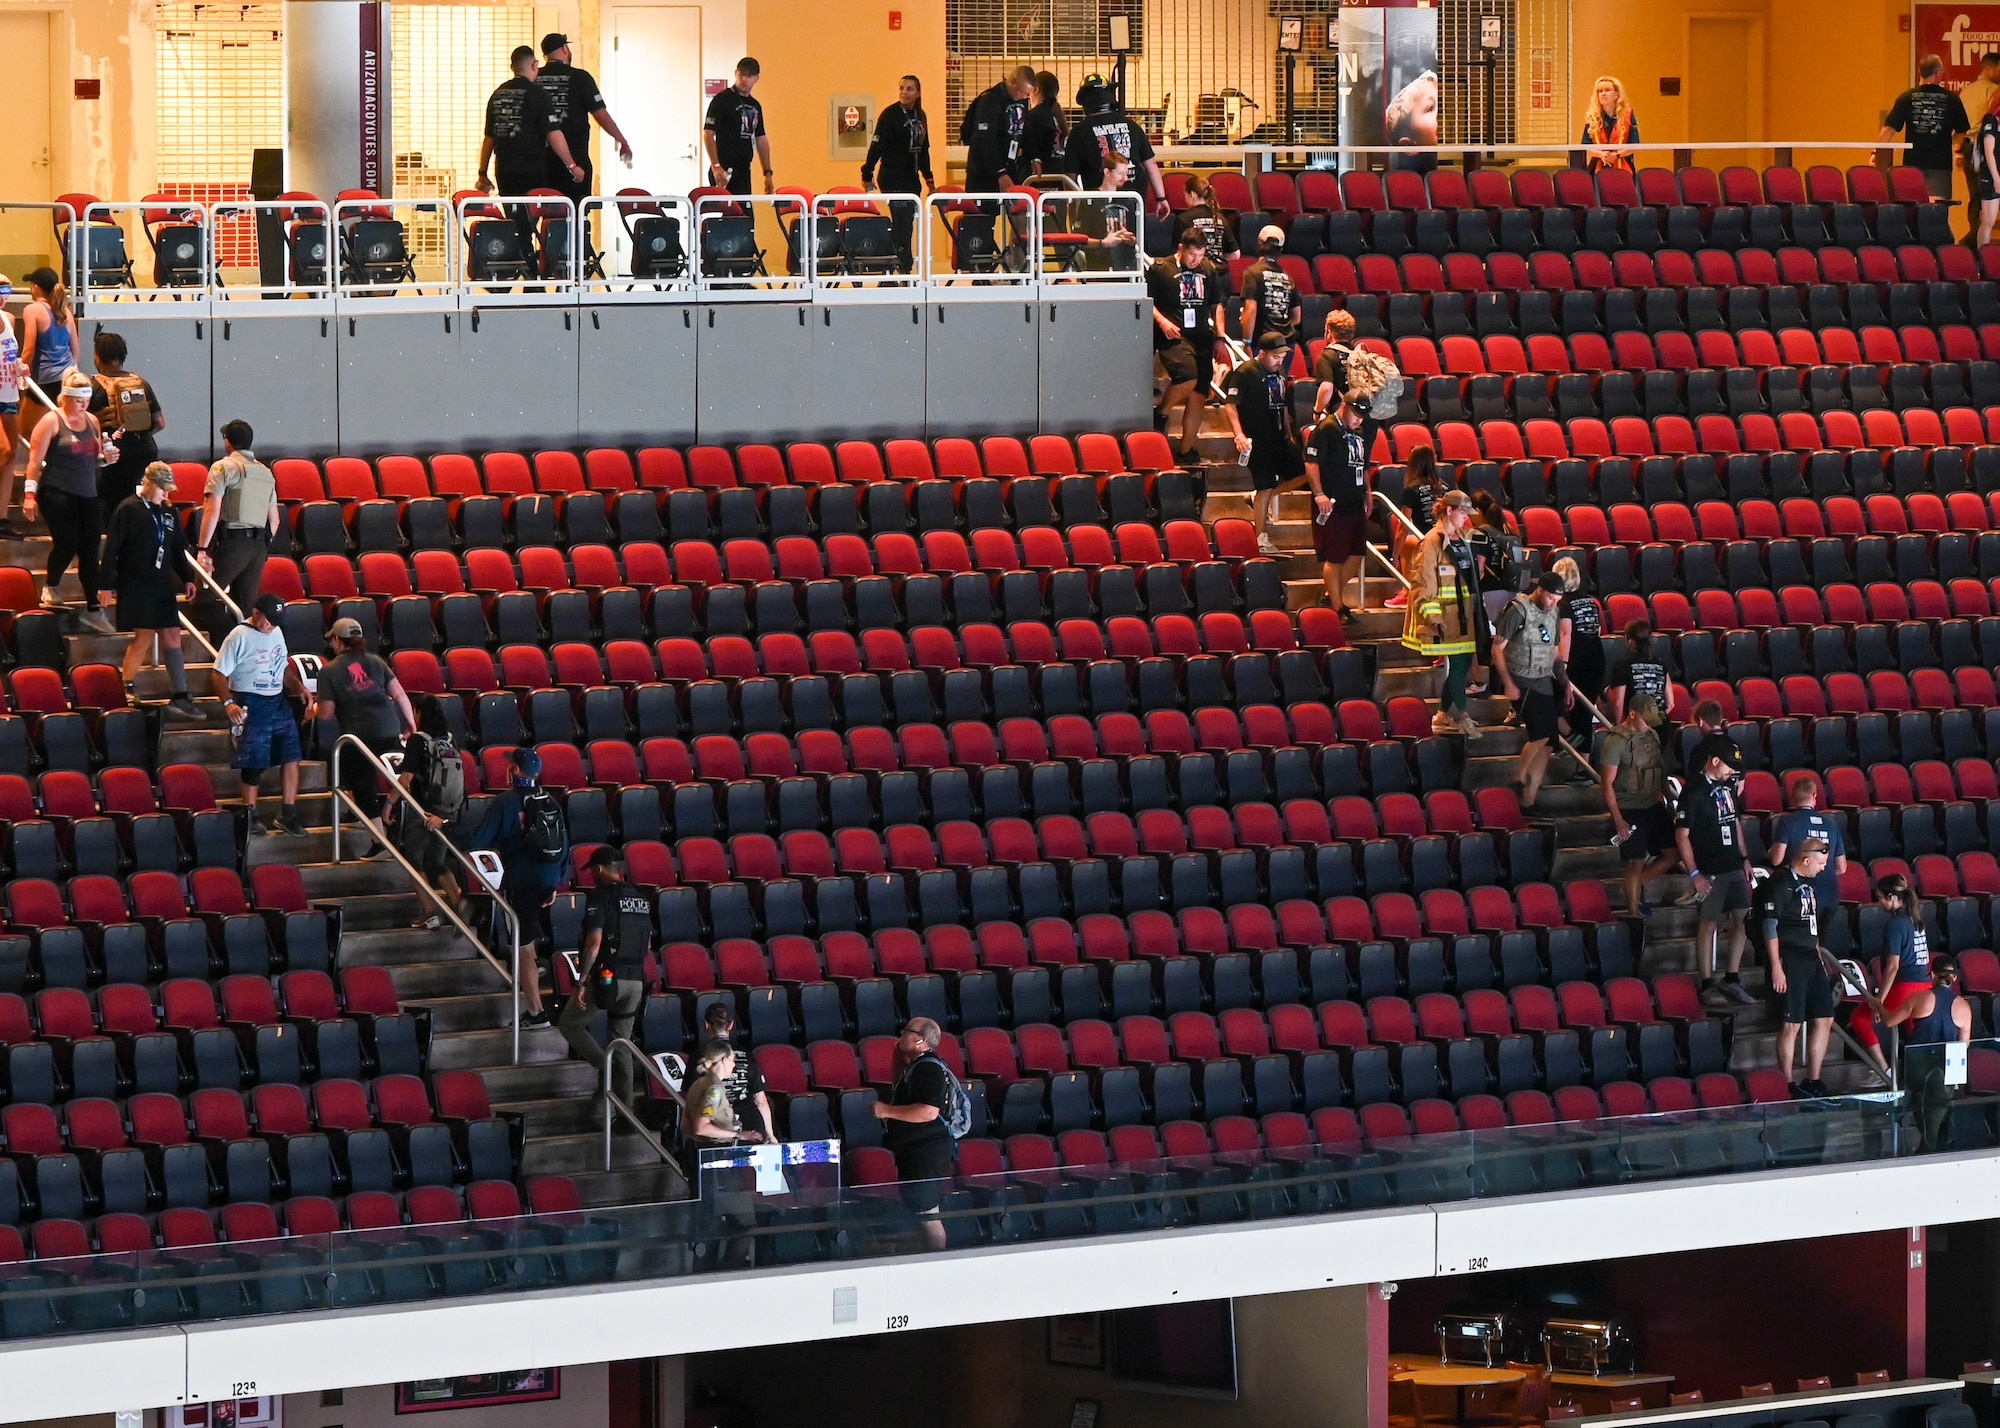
column 1608, row 126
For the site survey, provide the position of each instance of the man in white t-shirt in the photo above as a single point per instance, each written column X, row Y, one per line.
column 253, row 675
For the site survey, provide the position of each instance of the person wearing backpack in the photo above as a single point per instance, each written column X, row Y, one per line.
column 433, row 779
column 928, row 1111
column 1527, row 655
column 617, row 934
column 362, row 693
column 129, row 413
column 239, row 515
column 525, row 826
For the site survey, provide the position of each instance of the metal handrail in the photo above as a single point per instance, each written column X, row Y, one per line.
column 624, row 1045
column 509, row 919
column 209, row 580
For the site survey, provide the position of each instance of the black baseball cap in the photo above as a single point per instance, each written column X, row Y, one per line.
column 1273, row 342
column 269, row 606
column 1552, row 583
column 553, row 41
column 607, row 857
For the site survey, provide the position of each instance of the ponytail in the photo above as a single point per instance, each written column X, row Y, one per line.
column 59, row 302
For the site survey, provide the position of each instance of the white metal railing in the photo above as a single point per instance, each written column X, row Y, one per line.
column 981, row 240
column 644, row 246
column 643, row 1073
column 863, row 251
column 376, row 243
column 509, row 921
column 305, row 237
column 733, row 252
column 1090, row 237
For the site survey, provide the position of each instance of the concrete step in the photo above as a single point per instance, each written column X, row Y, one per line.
column 400, row 946
column 568, row 1080
column 584, row 1151
column 343, row 880
column 432, row 982
column 480, row 1050
column 383, row 911
column 646, row 1186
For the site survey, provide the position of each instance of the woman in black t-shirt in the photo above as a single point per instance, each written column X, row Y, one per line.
column 1580, row 619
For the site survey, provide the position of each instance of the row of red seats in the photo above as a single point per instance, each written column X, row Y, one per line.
column 1671, row 612
column 660, row 468
column 1797, row 518
column 1884, row 691
column 1284, row 195
column 1544, row 439
column 1332, row 1130
column 1713, row 349
column 119, row 1010
column 250, row 1222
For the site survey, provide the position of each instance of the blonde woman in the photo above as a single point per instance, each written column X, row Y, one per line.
column 1609, row 126
column 1443, row 607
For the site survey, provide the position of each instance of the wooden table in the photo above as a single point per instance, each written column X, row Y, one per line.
column 1594, row 1394
column 1458, row 1378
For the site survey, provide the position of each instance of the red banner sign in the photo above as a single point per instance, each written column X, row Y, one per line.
column 372, row 114
column 1957, row 34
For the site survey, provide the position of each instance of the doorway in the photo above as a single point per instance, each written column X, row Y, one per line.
column 1725, row 85
column 27, row 238
column 653, row 86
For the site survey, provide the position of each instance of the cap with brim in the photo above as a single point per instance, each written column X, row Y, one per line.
column 345, row 630
column 1272, row 342
column 1552, row 583
column 1457, row 498
column 1730, row 754
column 161, row 475
column 553, row 42
column 607, row 857
column 269, row 606
column 528, row 762
column 1271, row 233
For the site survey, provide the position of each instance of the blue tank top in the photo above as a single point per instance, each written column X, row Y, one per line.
column 54, row 353
column 1936, row 1028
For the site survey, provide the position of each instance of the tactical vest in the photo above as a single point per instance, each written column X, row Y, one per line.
column 249, row 491
column 1532, row 653
column 1641, row 777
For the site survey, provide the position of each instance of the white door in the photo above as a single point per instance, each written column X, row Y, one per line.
column 27, row 239
column 653, row 88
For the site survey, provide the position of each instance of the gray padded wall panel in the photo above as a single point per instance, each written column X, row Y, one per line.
column 756, row 365
column 867, row 369
column 981, row 368
column 518, row 366
column 400, row 384
column 635, row 382
column 282, row 375
column 1097, row 364
column 172, row 354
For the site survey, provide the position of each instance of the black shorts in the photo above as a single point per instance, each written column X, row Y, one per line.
column 1189, row 360
column 1274, row 459
column 1808, row 993
column 1652, row 833
column 1540, row 715
column 924, row 1167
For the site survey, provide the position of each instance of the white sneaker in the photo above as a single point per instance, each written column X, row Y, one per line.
column 50, row 599
column 1265, row 546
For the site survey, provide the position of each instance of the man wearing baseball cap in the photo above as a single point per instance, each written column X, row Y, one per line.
column 361, row 692
column 1260, row 419
column 1527, row 656
column 1708, row 830
column 525, row 826
column 145, row 570
column 617, row 934
column 1633, row 777
column 574, row 100
column 1106, row 130
column 1270, row 297
column 253, row 674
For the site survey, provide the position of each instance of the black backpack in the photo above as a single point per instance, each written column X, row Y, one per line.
column 542, row 833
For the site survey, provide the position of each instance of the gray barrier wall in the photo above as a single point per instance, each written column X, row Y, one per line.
column 367, row 382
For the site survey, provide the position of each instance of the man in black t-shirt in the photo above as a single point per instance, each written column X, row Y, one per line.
column 1934, row 118
column 918, row 1134
column 1270, row 297
column 1106, row 130
column 1330, row 367
column 1260, row 418
column 734, row 129
column 521, row 143
column 995, row 134
column 1788, row 923
column 618, row 930
column 366, row 700
column 1708, row 832
column 574, row 100
column 1187, row 310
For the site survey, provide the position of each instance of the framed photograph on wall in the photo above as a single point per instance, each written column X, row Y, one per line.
column 479, row 1390
column 850, row 124
column 1077, row 1341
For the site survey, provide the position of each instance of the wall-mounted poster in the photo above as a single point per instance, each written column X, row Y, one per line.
column 1388, row 76
column 478, row 1390
column 1077, row 1340
column 1956, row 34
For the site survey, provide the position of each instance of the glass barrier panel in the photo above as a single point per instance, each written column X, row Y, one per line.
column 980, row 239
column 866, row 240
column 1091, row 237
column 751, row 243
column 395, row 247
column 638, row 244
column 292, row 235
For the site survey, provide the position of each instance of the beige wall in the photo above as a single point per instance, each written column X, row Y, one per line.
column 811, row 52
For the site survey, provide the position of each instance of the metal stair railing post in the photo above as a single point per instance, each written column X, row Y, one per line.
column 624, row 1046
column 1396, row 515
column 509, row 920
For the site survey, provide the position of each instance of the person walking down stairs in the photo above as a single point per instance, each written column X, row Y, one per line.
column 1443, row 604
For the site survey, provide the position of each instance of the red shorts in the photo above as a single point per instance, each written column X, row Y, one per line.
column 1862, row 1027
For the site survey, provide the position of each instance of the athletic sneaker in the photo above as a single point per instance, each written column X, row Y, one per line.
column 1739, row 994
column 184, row 706
column 94, row 621
column 1266, row 546
column 1468, row 726
column 1397, row 601
column 1816, row 1088
column 1801, row 1090
column 1443, row 723
column 534, row 1018
column 291, row 823
column 257, row 828
column 50, row 599
column 8, row 531
column 1645, row 908
column 1712, row 995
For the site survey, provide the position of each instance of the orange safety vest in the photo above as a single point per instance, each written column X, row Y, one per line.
column 1616, row 136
